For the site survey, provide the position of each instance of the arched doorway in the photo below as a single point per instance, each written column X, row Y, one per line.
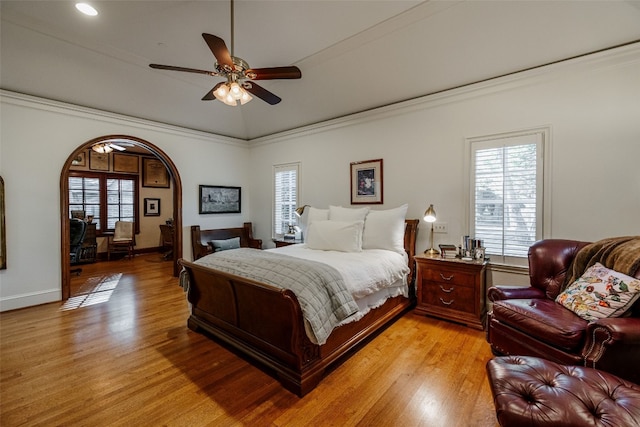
column 64, row 203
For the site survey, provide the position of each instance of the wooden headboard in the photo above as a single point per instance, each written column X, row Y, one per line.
column 200, row 238
column 410, row 232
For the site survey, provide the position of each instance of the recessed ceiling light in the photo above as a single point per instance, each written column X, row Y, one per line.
column 87, row 9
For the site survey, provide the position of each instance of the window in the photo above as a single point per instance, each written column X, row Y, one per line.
column 84, row 195
column 285, row 197
column 506, row 193
column 121, row 201
column 108, row 197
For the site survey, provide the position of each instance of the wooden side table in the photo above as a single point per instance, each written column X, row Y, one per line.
column 285, row 242
column 451, row 289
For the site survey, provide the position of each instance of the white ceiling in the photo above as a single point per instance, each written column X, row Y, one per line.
column 354, row 55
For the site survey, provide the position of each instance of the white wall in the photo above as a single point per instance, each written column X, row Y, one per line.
column 36, row 138
column 592, row 106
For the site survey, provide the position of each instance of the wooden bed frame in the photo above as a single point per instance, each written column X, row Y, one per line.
column 266, row 324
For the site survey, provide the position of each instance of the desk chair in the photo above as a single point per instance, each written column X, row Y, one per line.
column 77, row 230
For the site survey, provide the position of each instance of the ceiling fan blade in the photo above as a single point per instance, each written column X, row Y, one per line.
column 291, row 72
column 219, row 50
column 210, row 96
column 117, row 147
column 188, row 70
column 261, row 93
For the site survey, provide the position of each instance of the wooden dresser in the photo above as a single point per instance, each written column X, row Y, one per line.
column 451, row 289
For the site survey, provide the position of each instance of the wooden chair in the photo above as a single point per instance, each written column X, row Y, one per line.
column 123, row 239
column 166, row 234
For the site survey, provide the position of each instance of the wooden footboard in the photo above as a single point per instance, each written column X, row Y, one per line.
column 266, row 323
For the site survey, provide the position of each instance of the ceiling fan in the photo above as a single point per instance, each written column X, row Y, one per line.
column 108, row 146
column 239, row 76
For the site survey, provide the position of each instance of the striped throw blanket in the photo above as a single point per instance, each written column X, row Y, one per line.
column 320, row 289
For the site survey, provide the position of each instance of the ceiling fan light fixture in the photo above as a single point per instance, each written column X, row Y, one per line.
column 221, row 92
column 245, row 97
column 231, row 93
column 102, row 148
column 236, row 90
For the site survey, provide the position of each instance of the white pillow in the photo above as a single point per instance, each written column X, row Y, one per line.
column 338, row 213
column 343, row 236
column 385, row 229
column 316, row 214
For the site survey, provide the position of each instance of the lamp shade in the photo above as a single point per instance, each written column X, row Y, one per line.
column 300, row 210
column 430, row 214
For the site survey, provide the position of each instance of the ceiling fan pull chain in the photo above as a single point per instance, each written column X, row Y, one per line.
column 232, row 30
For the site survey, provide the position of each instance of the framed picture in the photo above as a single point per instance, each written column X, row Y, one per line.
column 154, row 174
column 216, row 199
column 151, row 207
column 125, row 163
column 366, row 182
column 80, row 159
column 3, row 240
column 98, row 161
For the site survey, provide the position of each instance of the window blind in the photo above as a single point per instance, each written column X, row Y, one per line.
column 285, row 197
column 507, row 193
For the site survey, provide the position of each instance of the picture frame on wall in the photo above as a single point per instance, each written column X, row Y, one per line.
column 80, row 159
column 98, row 161
column 154, row 173
column 366, row 182
column 127, row 163
column 3, row 238
column 217, row 199
column 151, row 207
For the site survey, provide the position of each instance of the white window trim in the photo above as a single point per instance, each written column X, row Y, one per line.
column 276, row 168
column 545, row 203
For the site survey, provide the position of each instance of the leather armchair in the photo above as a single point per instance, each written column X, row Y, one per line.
column 527, row 320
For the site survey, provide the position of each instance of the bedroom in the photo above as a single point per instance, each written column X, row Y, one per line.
column 591, row 105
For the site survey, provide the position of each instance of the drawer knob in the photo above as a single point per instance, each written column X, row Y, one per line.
column 446, row 302
column 447, row 290
column 446, row 278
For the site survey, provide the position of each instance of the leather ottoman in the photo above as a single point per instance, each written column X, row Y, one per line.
column 530, row 391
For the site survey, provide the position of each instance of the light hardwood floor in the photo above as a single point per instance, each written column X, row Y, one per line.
column 120, row 354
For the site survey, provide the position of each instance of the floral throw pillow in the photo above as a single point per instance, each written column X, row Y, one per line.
column 600, row 292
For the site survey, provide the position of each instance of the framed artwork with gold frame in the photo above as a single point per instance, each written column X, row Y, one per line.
column 98, row 161
column 125, row 163
column 80, row 159
column 154, row 173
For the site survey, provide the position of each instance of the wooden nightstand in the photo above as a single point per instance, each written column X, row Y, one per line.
column 282, row 242
column 451, row 289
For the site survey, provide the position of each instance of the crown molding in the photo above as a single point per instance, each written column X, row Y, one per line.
column 44, row 104
column 614, row 57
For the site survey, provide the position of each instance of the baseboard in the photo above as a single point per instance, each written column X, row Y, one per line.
column 31, row 299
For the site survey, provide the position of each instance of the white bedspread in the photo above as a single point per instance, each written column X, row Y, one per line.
column 364, row 272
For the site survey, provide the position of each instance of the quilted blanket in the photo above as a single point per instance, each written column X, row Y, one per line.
column 320, row 289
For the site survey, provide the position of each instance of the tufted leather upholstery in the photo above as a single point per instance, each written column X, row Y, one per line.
column 530, row 391
column 528, row 321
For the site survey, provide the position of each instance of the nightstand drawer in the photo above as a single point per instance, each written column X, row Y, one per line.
column 449, row 296
column 452, row 276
